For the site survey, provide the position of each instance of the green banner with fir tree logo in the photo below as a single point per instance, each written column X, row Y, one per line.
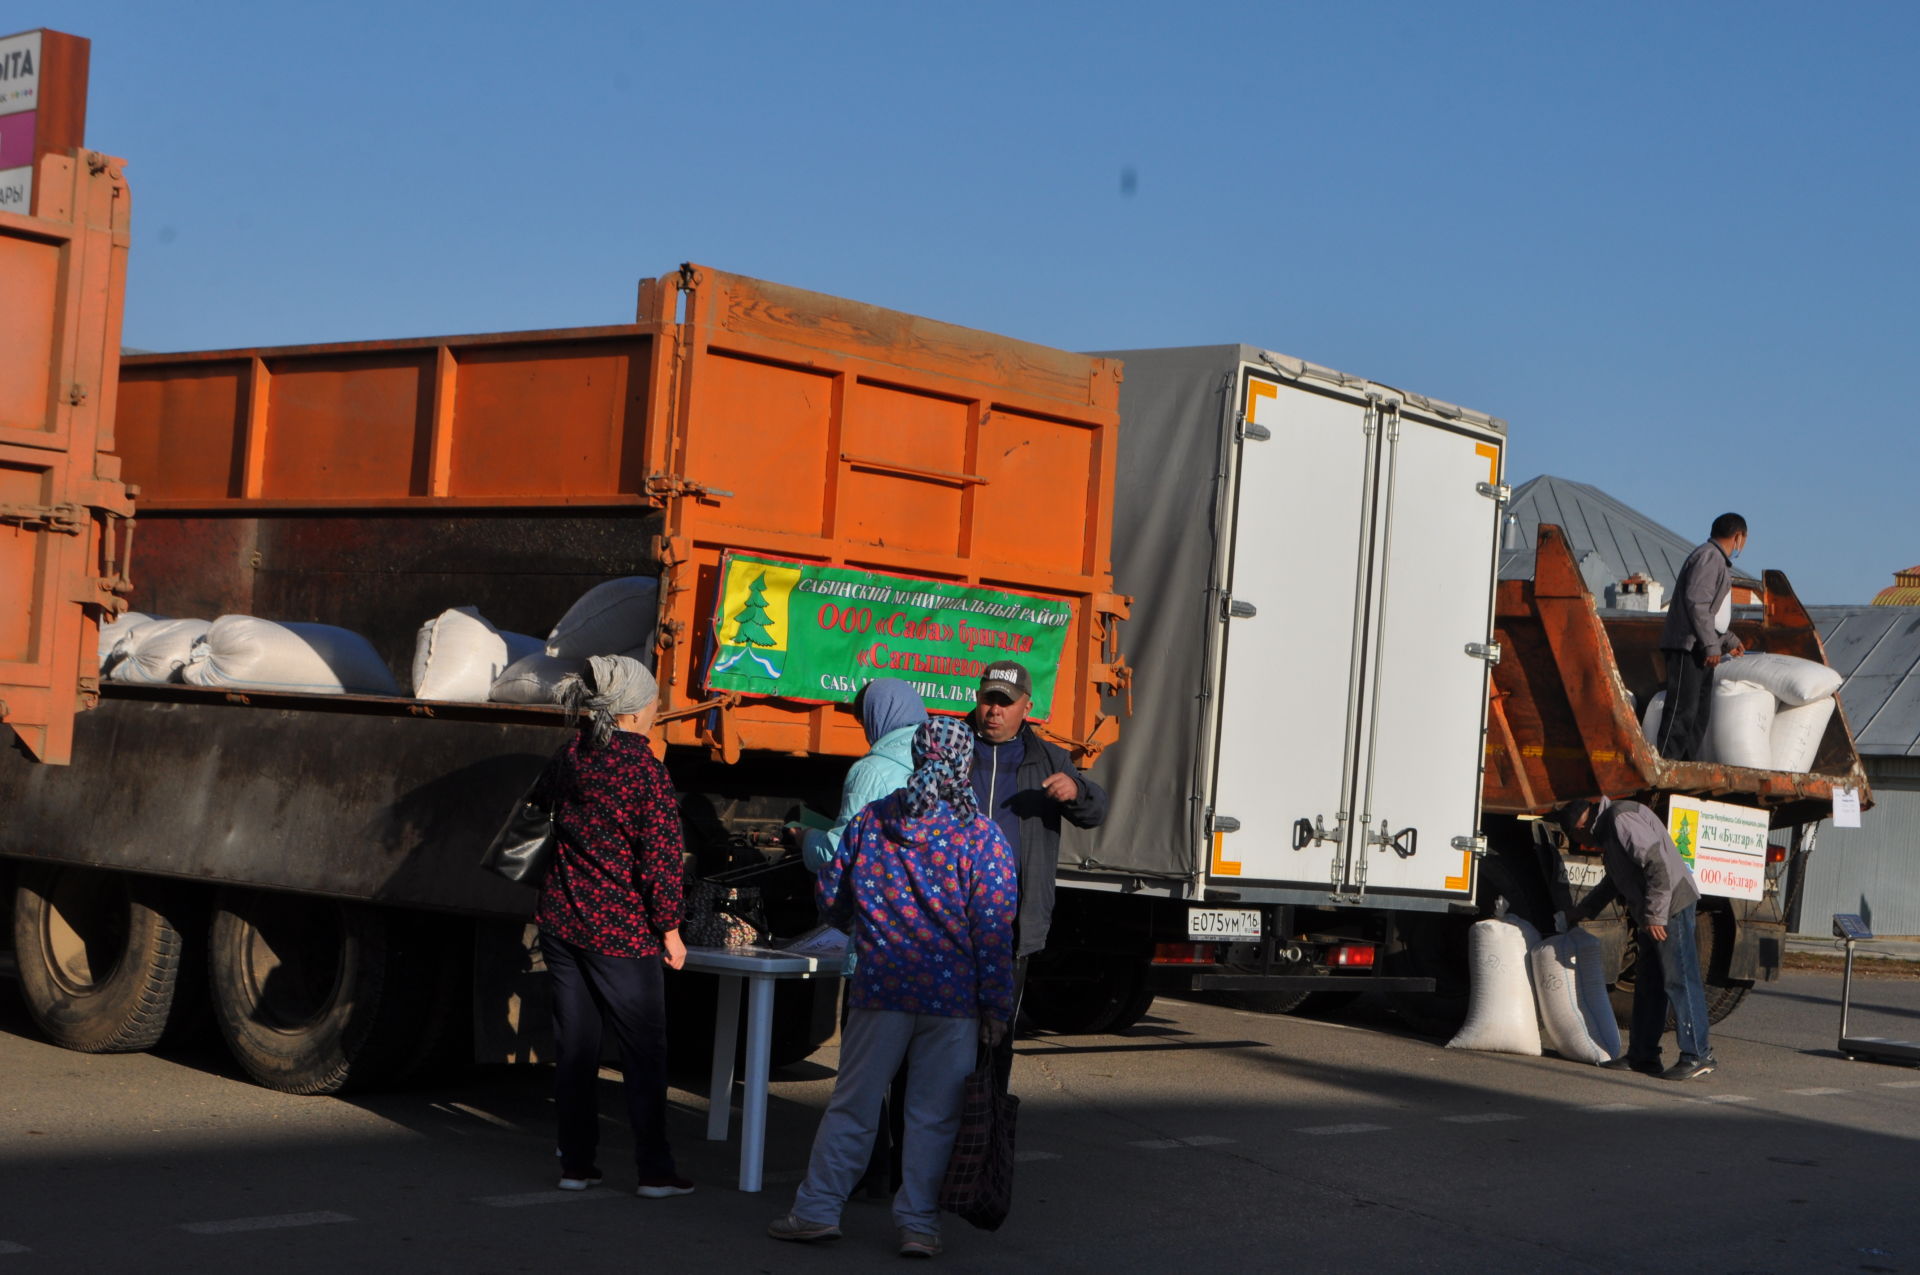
column 799, row 630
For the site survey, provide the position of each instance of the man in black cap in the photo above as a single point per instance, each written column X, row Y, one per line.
column 1026, row 785
column 1645, row 871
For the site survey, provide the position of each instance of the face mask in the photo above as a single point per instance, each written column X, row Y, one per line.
column 1734, row 554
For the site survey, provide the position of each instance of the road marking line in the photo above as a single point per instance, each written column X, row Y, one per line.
column 1157, row 1144
column 8, row 1246
column 1319, row 1130
column 1815, row 1093
column 1724, row 1097
column 278, row 1221
column 1900, row 1084
column 1613, row 1106
column 523, row 1198
column 1168, row 1144
column 1484, row 1117
column 1028, row 1157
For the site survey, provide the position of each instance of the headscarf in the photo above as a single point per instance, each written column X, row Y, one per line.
column 942, row 769
column 608, row 686
column 886, row 705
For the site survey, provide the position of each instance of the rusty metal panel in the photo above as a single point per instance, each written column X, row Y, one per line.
column 1568, row 683
column 62, row 509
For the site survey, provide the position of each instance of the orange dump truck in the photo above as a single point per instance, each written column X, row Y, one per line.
column 328, row 843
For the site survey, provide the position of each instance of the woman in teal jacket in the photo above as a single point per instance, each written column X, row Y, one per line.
column 890, row 711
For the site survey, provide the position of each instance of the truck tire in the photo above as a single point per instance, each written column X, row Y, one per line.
column 99, row 956
column 1113, row 1000
column 312, row 995
column 1713, row 932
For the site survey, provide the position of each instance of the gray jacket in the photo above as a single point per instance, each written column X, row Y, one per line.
column 1644, row 867
column 1705, row 580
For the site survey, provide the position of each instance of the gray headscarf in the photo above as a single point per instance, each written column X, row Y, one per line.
column 887, row 704
column 608, row 686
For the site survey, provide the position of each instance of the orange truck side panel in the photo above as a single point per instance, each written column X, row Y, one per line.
column 62, row 508
column 758, row 417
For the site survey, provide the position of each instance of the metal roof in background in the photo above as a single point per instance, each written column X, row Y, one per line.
column 1626, row 541
column 1877, row 650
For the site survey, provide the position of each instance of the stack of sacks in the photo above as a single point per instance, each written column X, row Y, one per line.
column 155, row 652
column 1770, row 712
column 1520, row 981
column 615, row 618
column 459, row 656
column 251, row 654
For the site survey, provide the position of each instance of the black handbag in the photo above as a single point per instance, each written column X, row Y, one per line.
column 523, row 847
column 978, row 1187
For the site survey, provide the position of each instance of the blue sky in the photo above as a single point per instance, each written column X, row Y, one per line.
column 1673, row 245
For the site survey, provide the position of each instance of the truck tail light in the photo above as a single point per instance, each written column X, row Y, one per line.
column 1776, row 853
column 1352, row 955
column 1183, row 954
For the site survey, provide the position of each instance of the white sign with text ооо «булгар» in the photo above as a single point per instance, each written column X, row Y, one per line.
column 1727, row 845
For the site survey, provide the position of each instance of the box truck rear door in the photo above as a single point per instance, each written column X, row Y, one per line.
column 1423, row 722
column 63, row 274
column 1296, row 580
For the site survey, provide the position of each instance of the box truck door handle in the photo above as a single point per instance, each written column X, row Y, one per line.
column 1312, row 834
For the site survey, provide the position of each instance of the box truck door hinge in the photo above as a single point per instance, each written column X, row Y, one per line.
column 1232, row 608
column 1488, row 651
column 1475, row 845
column 1246, row 429
column 1499, row 493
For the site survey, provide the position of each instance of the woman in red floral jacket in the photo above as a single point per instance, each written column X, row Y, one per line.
column 609, row 917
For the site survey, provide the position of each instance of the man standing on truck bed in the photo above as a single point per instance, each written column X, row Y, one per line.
column 1026, row 785
column 1695, row 638
column 1644, row 868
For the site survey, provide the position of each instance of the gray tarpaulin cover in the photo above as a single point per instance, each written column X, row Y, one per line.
column 1175, row 427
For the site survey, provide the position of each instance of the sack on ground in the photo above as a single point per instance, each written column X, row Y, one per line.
column 615, row 618
column 116, row 629
column 1740, row 731
column 1555, row 965
column 1595, row 1003
column 458, row 657
column 248, row 653
column 532, row 679
column 1790, row 679
column 1500, row 1014
column 978, row 1186
column 1794, row 741
column 155, row 652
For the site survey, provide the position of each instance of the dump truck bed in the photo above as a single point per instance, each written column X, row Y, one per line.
column 1565, row 721
column 373, row 484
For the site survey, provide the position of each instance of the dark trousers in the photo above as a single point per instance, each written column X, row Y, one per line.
column 1667, row 976
column 627, row 993
column 1003, row 1052
column 1683, row 723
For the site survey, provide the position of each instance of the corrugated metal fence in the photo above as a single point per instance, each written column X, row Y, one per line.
column 1874, row 869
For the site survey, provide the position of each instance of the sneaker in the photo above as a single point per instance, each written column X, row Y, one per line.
column 591, row 1177
column 1626, row 1062
column 799, row 1229
column 918, row 1244
column 1690, row 1068
column 662, row 1188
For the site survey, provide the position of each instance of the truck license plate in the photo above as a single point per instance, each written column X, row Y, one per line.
column 1223, row 923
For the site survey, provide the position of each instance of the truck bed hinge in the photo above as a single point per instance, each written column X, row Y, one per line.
column 68, row 519
column 668, row 486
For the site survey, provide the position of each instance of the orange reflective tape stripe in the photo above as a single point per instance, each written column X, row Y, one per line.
column 1222, row 866
column 1465, row 878
column 1258, row 389
column 1492, row 454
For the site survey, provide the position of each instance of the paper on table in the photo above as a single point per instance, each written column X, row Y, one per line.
column 1846, row 808
column 823, row 943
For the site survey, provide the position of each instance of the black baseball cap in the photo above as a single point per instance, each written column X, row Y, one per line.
column 1006, row 680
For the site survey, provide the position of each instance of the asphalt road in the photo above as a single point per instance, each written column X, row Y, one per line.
column 1208, row 1139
